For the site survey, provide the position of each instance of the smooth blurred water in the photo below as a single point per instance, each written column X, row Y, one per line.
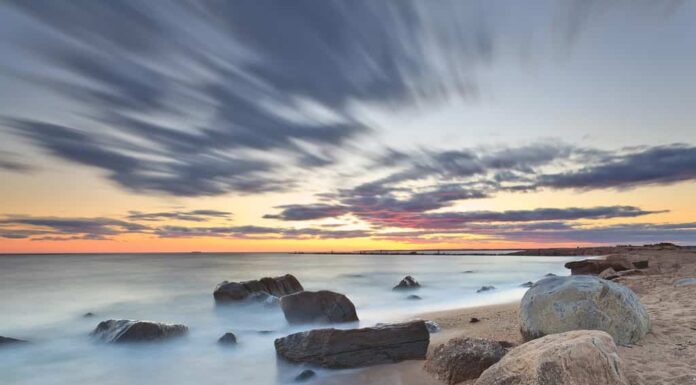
column 43, row 299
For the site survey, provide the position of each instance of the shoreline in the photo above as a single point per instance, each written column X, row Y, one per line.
column 666, row 355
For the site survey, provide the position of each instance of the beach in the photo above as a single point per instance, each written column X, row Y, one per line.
column 665, row 356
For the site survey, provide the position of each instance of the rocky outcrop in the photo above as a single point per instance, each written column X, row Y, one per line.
column 596, row 266
column 351, row 348
column 9, row 340
column 583, row 357
column 228, row 339
column 136, row 331
column 462, row 359
column 560, row 304
column 238, row 291
column 407, row 283
column 317, row 306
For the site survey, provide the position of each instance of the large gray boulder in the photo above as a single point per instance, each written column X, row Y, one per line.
column 335, row 348
column 560, row 304
column 462, row 359
column 317, row 306
column 136, row 331
column 581, row 357
column 259, row 290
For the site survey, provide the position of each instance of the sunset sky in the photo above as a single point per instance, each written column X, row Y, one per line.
column 345, row 125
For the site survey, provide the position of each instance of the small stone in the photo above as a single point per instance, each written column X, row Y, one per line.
column 432, row 326
column 407, row 283
column 228, row 339
column 485, row 288
column 474, row 320
column 550, row 275
column 306, row 375
column 414, row 297
column 88, row 315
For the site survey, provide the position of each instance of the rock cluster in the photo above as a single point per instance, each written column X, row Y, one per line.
column 582, row 357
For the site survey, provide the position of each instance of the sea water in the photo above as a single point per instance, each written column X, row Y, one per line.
column 43, row 299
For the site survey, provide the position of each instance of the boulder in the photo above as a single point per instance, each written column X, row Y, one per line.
column 306, row 375
column 317, row 306
column 462, row 359
column 433, row 327
column 608, row 273
column 136, row 331
column 351, row 348
column 596, row 266
column 407, row 283
column 581, row 357
column 485, row 288
column 9, row 340
column 579, row 302
column 238, row 291
column 228, row 339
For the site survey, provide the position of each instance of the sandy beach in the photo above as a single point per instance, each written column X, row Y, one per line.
column 665, row 356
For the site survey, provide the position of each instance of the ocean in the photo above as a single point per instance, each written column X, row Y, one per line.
column 43, row 299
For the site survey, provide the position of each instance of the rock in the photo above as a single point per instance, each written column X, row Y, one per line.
column 9, row 340
column 264, row 332
column 608, row 273
column 630, row 272
column 88, row 315
column 550, row 275
column 560, row 304
column 485, row 288
column 685, row 281
column 351, row 348
column 414, row 297
column 306, row 375
column 264, row 298
column 136, row 331
column 527, row 284
column 468, row 272
column 432, row 326
column 641, row 264
column 462, row 359
column 407, row 283
column 238, row 291
column 582, row 357
column 317, row 306
column 474, row 320
column 228, row 339
column 596, row 266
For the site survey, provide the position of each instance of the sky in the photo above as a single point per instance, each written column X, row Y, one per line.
column 269, row 125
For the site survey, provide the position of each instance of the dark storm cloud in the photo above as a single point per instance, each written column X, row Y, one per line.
column 307, row 212
column 192, row 215
column 175, row 97
column 653, row 165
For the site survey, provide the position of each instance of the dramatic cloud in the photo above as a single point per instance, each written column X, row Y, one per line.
column 307, row 212
column 83, row 228
column 193, row 215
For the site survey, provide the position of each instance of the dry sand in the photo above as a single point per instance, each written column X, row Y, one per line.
column 666, row 356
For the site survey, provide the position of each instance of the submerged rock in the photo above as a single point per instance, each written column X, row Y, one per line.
column 306, row 375
column 238, row 291
column 414, row 297
column 407, row 283
column 317, row 306
column 88, row 315
column 560, row 304
column 9, row 340
column 582, row 357
column 136, row 331
column 485, row 288
column 351, row 348
column 462, row 359
column 228, row 339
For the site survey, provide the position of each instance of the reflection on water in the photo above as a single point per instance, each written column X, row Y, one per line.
column 43, row 299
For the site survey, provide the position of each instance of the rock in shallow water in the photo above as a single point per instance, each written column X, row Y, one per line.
column 560, row 304
column 9, row 340
column 238, row 291
column 351, row 348
column 228, row 339
column 136, row 331
column 306, row 375
column 581, row 357
column 407, row 283
column 485, row 288
column 462, row 359
column 317, row 306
